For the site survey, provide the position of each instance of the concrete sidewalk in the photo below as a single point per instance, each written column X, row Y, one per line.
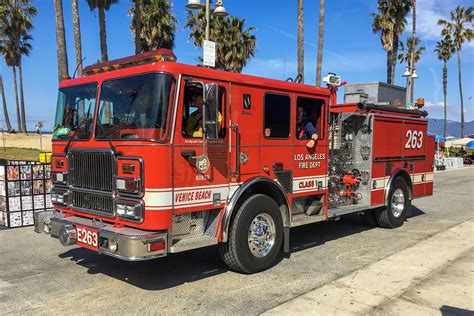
column 433, row 277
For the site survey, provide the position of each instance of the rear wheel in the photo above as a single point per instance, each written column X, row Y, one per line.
column 398, row 206
column 255, row 236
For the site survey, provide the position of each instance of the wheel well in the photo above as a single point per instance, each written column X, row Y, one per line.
column 256, row 186
column 273, row 192
column 400, row 173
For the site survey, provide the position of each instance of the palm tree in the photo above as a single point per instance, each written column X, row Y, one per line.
column 445, row 48
column 8, row 51
column 235, row 44
column 102, row 6
column 156, row 26
column 319, row 61
column 4, row 103
column 391, row 22
column 405, row 56
column 61, row 52
column 458, row 29
column 16, row 24
column 76, row 25
column 136, row 24
column 410, row 55
column 300, row 40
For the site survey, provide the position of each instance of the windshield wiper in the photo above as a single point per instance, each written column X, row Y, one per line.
column 115, row 151
column 66, row 149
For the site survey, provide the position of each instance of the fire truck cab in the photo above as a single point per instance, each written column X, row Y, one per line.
column 152, row 157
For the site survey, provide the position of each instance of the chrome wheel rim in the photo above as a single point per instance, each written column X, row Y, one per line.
column 261, row 236
column 397, row 203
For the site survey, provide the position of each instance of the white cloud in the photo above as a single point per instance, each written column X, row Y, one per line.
column 428, row 13
column 434, row 105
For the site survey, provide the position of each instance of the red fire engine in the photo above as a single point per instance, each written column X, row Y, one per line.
column 152, row 157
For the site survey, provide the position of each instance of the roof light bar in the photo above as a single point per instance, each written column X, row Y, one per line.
column 161, row 54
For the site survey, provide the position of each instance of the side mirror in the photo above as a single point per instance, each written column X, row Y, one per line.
column 211, row 112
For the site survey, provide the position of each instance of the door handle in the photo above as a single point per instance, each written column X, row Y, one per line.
column 235, row 128
column 188, row 154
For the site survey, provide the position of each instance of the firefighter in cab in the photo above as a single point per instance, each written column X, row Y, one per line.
column 305, row 128
column 194, row 122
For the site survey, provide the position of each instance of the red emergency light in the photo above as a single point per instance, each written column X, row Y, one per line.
column 161, row 54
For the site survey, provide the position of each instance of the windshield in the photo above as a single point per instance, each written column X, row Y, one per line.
column 135, row 107
column 75, row 111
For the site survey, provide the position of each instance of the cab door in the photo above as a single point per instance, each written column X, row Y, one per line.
column 200, row 166
column 310, row 163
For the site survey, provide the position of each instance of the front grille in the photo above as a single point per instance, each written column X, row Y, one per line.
column 92, row 202
column 91, row 170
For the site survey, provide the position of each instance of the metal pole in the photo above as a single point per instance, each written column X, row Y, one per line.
column 208, row 9
column 412, row 57
column 408, row 88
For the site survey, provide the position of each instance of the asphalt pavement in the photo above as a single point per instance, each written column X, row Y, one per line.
column 39, row 276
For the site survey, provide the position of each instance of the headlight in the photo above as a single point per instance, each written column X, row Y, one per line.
column 59, row 197
column 130, row 211
column 58, row 177
column 128, row 185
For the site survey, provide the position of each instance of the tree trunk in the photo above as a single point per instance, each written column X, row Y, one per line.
column 63, row 71
column 4, row 102
column 300, row 40
column 137, row 20
column 393, row 59
column 319, row 61
column 76, row 25
column 389, row 67
column 22, row 98
column 460, row 93
column 412, row 56
column 18, row 113
column 103, row 34
column 445, row 92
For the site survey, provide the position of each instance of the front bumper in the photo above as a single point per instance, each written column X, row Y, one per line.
column 132, row 244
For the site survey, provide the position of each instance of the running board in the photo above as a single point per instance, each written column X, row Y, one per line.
column 303, row 219
column 346, row 209
column 193, row 243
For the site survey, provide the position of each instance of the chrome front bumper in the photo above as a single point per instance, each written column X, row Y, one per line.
column 133, row 244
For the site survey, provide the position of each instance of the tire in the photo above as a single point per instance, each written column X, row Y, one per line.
column 368, row 218
column 239, row 252
column 398, row 206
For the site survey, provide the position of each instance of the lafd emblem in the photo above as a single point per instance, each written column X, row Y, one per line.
column 202, row 163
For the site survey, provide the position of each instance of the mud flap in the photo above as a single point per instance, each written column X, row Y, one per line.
column 286, row 242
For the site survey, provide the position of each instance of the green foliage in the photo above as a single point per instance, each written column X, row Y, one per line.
column 406, row 50
column 235, row 43
column 390, row 21
column 157, row 24
column 96, row 4
column 15, row 21
column 458, row 28
column 445, row 49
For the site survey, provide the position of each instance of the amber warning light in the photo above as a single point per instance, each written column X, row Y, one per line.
column 161, row 54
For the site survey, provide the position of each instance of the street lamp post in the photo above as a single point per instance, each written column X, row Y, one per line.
column 410, row 74
column 219, row 11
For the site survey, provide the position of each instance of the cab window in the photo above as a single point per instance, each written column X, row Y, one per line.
column 277, row 116
column 192, row 123
column 308, row 118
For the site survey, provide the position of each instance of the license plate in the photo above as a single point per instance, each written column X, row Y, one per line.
column 87, row 237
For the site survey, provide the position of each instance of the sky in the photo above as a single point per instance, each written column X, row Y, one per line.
column 350, row 49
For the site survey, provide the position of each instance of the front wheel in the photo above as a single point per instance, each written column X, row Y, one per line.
column 255, row 236
column 398, row 206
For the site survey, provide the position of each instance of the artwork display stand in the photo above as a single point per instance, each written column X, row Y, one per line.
column 24, row 191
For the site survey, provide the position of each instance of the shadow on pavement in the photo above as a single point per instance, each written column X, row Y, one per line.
column 450, row 310
column 195, row 265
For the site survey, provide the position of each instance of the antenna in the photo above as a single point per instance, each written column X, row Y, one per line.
column 77, row 67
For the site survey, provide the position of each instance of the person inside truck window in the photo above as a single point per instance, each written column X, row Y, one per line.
column 193, row 125
column 305, row 128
